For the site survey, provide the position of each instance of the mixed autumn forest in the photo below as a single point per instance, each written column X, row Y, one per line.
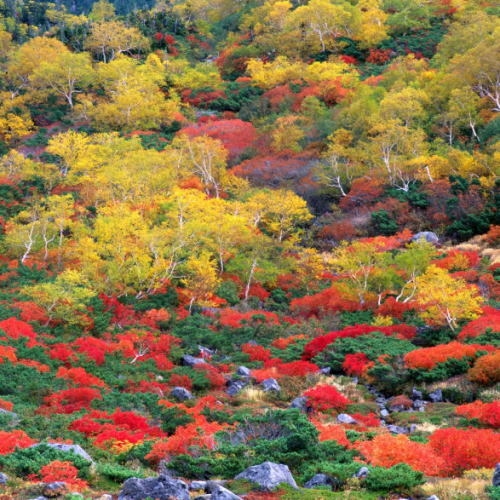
column 240, row 232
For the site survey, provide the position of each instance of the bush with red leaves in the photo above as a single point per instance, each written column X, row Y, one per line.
column 324, row 397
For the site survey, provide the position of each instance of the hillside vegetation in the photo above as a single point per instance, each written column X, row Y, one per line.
column 239, row 232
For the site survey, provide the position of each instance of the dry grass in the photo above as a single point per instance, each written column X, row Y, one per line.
column 463, row 488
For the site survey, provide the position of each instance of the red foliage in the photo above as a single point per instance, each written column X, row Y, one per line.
column 33, row 363
column 122, row 315
column 332, row 91
column 348, row 59
column 284, row 342
column 340, row 230
column 236, row 135
column 79, row 376
column 368, row 420
column 216, row 379
column 69, row 400
column 62, row 352
column 320, row 343
column 257, row 290
column 386, row 450
column 391, row 307
column 297, row 368
column 261, row 374
column 10, row 440
column 256, row 352
column 235, row 319
column 59, row 470
column 379, row 56
column 489, row 319
column 458, row 260
column 15, row 328
column 486, row 369
column 324, row 303
column 29, row 311
column 153, row 317
column 7, row 353
column 94, row 349
column 427, row 358
column 356, row 364
column 278, row 95
column 6, row 405
column 176, row 380
column 325, row 397
column 362, row 194
column 331, row 432
column 464, row 449
column 486, row 413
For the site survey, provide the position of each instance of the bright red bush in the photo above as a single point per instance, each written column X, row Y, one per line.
column 486, row 369
column 489, row 320
column 297, row 368
column 256, row 352
column 59, row 470
column 356, row 364
column 325, row 397
column 486, row 413
column 69, row 400
column 15, row 328
column 79, row 376
column 427, row 358
column 463, row 449
column 10, row 440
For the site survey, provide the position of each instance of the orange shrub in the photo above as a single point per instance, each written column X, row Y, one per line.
column 325, row 397
column 486, row 369
column 59, row 470
column 486, row 413
column 386, row 450
column 10, row 440
column 463, row 449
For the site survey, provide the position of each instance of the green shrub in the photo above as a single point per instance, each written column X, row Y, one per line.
column 400, row 478
column 118, row 473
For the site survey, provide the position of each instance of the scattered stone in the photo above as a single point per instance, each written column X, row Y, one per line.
column 206, row 351
column 419, row 403
column 268, row 475
column 159, row 488
column 243, row 371
column 3, row 478
column 69, row 448
column 326, row 370
column 496, row 476
column 181, row 393
column 221, row 493
column 198, row 485
column 189, row 360
column 384, row 413
column 397, row 429
column 323, row 480
column 416, row 394
column 270, row 384
column 428, row 236
column 105, row 497
column 235, row 386
column 436, row 396
column 362, row 472
column 381, row 401
column 432, row 497
column 344, row 418
column 300, row 403
column 55, row 489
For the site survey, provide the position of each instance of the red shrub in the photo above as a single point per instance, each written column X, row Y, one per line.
column 386, row 450
column 486, row 369
column 464, row 449
column 15, row 328
column 69, row 400
column 10, row 440
column 489, row 319
column 486, row 413
column 29, row 311
column 356, row 364
column 331, row 432
column 216, row 379
column 325, row 397
column 379, row 56
column 256, row 352
column 177, row 380
column 297, row 368
column 427, row 358
column 58, row 470
column 79, row 376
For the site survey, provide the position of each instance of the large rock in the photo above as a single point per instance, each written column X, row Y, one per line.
column 496, row 476
column 3, row 478
column 345, row 418
column 362, row 472
column 268, row 475
column 160, row 488
column 189, row 360
column 221, row 493
column 320, row 480
column 428, row 236
column 243, row 371
column 436, row 396
column 270, row 384
column 300, row 403
column 181, row 394
column 235, row 386
column 55, row 489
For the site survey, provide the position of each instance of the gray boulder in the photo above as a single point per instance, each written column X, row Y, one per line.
column 428, row 236
column 3, row 478
column 181, row 393
column 397, row 429
column 268, row 475
column 189, row 360
column 436, row 396
column 270, row 384
column 323, row 480
column 235, row 386
column 415, row 394
column 496, row 476
column 300, row 403
column 197, row 485
column 55, row 489
column 344, row 418
column 221, row 493
column 362, row 472
column 243, row 371
column 160, row 488
column 384, row 412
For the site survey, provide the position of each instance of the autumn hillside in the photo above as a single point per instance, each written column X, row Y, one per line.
column 234, row 233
